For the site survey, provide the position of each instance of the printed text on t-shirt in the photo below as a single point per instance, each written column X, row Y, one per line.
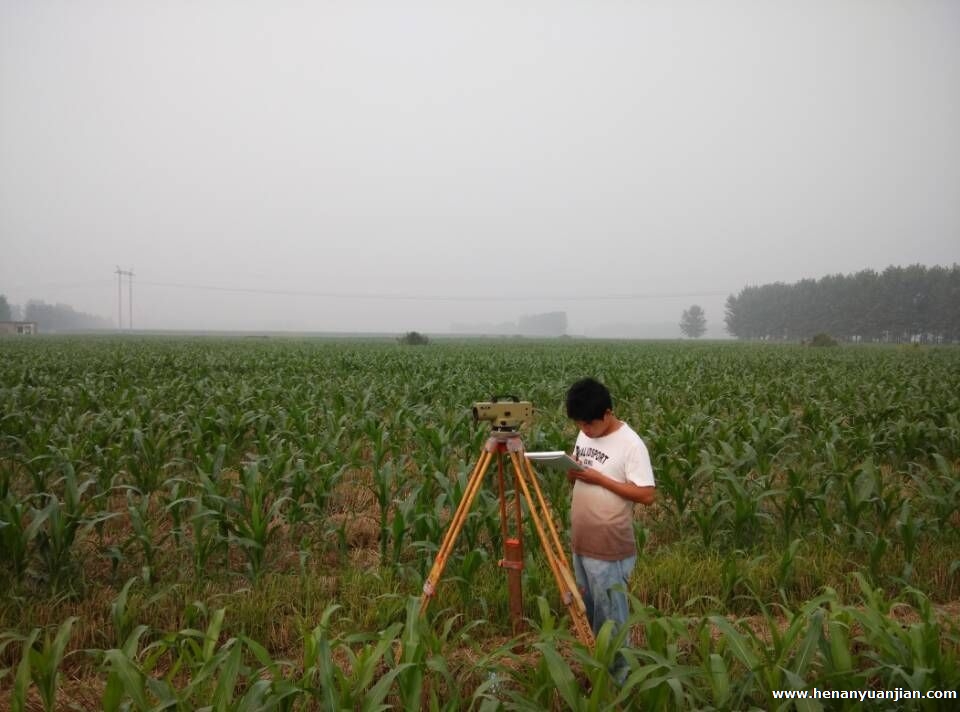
column 590, row 452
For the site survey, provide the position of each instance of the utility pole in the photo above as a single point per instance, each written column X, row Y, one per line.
column 119, row 298
column 120, row 274
column 130, row 301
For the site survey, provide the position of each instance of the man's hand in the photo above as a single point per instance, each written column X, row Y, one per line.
column 586, row 474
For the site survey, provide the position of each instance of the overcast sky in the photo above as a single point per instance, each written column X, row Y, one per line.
column 384, row 166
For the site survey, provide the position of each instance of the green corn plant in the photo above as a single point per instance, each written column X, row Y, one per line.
column 904, row 655
column 483, row 517
column 195, row 653
column 596, row 665
column 55, row 528
column 792, row 655
column 36, row 454
column 423, row 650
column 338, row 538
column 709, row 518
column 836, row 650
column 144, row 534
column 255, row 518
column 15, row 534
column 297, row 481
column 534, row 687
column 227, row 426
column 741, row 651
column 735, row 581
column 910, row 526
column 201, row 671
column 175, row 506
column 677, row 480
column 337, row 446
column 747, row 516
column 787, row 566
column 877, row 546
column 660, row 675
column 856, row 495
column 268, row 434
column 324, row 480
column 385, row 475
column 121, row 614
column 435, row 446
column 41, row 667
column 768, row 441
column 8, row 464
column 207, row 515
column 939, row 489
column 209, row 465
column 561, row 677
column 464, row 573
column 403, row 523
column 717, row 673
column 206, row 540
column 357, row 685
column 800, row 501
column 273, row 686
column 215, row 680
column 151, row 452
column 887, row 496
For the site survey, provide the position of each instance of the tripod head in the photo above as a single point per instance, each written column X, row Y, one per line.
column 505, row 413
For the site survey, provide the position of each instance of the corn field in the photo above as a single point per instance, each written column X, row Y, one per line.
column 239, row 524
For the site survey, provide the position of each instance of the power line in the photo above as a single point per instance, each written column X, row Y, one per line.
column 61, row 285
column 385, row 296
column 439, row 298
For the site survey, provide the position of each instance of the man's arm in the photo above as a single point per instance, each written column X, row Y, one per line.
column 627, row 490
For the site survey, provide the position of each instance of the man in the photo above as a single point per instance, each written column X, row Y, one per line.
column 617, row 474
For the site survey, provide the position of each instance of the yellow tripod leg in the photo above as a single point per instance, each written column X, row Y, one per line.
column 569, row 593
column 453, row 529
column 555, row 537
column 565, row 567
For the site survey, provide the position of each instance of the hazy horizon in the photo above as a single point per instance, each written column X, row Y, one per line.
column 367, row 167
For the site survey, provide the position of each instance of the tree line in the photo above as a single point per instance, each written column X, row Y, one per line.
column 900, row 304
column 51, row 317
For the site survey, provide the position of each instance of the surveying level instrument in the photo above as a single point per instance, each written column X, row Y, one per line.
column 506, row 414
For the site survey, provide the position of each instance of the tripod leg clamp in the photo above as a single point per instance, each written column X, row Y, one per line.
column 428, row 589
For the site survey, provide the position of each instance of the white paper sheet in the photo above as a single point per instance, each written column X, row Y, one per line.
column 556, row 459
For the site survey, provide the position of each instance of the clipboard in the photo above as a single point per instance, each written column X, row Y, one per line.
column 554, row 459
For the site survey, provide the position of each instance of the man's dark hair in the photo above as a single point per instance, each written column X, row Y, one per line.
column 588, row 400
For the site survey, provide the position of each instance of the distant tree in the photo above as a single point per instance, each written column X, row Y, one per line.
column 414, row 338
column 5, row 314
column 61, row 317
column 693, row 323
column 822, row 339
column 913, row 303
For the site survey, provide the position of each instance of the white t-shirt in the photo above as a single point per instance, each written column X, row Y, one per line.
column 601, row 521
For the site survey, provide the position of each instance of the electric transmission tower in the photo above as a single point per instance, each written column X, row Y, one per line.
column 120, row 275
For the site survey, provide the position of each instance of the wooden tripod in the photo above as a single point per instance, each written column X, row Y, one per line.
column 508, row 442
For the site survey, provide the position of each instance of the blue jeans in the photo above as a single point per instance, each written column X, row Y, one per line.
column 597, row 580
